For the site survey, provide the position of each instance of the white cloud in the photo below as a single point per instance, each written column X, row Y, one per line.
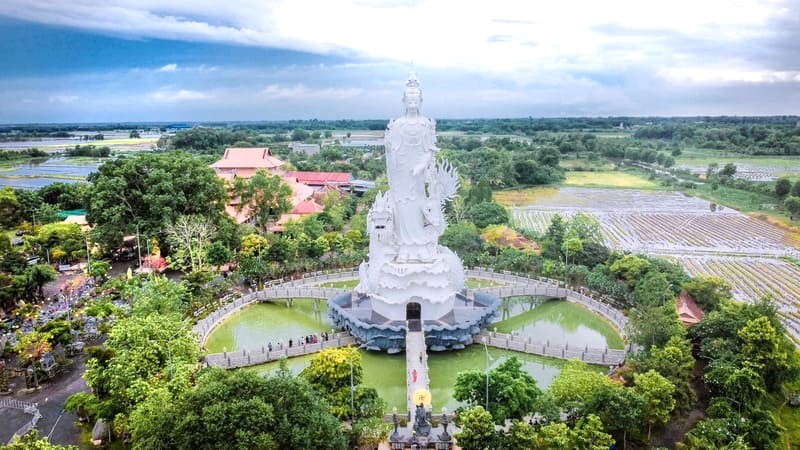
column 301, row 92
column 730, row 75
column 518, row 40
column 63, row 98
column 181, row 95
column 168, row 68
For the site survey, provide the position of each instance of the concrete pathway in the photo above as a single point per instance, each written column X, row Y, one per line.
column 416, row 366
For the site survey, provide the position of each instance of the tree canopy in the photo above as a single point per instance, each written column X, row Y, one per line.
column 151, row 191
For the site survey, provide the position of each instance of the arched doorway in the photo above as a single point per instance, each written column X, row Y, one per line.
column 413, row 311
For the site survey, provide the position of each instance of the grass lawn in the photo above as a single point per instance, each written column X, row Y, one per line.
column 613, row 179
column 478, row 283
column 787, row 416
column 341, row 284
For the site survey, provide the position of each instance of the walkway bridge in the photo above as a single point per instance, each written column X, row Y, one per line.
column 512, row 285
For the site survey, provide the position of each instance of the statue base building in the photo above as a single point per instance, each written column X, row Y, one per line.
column 451, row 331
column 410, row 281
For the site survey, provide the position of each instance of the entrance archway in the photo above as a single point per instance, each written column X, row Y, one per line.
column 413, row 311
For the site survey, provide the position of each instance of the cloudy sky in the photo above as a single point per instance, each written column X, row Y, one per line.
column 202, row 60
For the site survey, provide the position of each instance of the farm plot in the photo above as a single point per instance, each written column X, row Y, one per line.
column 755, row 278
column 660, row 222
column 753, row 169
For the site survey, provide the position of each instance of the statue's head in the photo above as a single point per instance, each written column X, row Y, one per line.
column 412, row 96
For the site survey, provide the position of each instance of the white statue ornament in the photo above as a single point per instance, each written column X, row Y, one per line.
column 406, row 264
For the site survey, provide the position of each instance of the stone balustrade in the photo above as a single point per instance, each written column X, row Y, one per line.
column 514, row 285
column 590, row 355
column 251, row 357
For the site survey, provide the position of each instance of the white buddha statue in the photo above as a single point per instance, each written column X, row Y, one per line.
column 406, row 264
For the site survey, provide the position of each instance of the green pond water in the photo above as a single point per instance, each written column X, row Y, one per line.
column 558, row 321
column 386, row 372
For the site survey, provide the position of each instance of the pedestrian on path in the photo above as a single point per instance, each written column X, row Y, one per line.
column 414, row 375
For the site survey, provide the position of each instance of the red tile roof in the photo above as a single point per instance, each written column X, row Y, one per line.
column 307, row 207
column 247, row 158
column 688, row 311
column 321, row 177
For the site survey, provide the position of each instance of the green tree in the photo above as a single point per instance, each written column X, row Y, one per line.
column 32, row 346
column 796, row 189
column 675, row 362
column 489, row 213
column 512, row 391
column 620, row 409
column 577, row 385
column 630, row 268
column 464, row 239
column 655, row 326
column 792, row 204
column 480, row 193
column 10, row 208
column 783, row 186
column 60, row 238
column 143, row 353
column 520, row 435
column 590, row 434
column 32, row 441
column 556, row 436
column 554, row 238
column 584, row 227
column 708, row 291
column 38, row 275
column 571, row 246
column 265, row 195
column 652, row 290
column 99, row 269
column 240, row 410
column 151, row 191
column 728, row 170
column 218, row 254
column 657, row 393
column 477, row 430
column 160, row 296
column 764, row 349
column 332, row 372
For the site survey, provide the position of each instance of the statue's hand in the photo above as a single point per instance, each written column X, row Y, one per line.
column 418, row 170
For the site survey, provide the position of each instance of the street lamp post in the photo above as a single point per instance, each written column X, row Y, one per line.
column 352, row 387
column 138, row 246
column 485, row 348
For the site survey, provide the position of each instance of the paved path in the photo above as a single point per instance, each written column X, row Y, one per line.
column 50, row 399
column 12, row 420
column 416, row 367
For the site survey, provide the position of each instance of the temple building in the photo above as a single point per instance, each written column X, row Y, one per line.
column 306, row 186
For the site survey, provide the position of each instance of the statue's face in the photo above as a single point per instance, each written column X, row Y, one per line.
column 412, row 102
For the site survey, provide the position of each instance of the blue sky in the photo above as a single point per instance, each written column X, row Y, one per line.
column 203, row 60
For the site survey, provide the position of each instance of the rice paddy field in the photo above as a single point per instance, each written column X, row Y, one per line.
column 754, row 168
column 758, row 258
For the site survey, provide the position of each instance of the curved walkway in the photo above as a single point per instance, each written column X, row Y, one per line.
column 513, row 285
column 27, row 408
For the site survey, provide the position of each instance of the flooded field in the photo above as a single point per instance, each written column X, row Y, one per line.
column 39, row 172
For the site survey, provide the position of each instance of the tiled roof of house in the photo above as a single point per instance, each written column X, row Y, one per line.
column 688, row 311
column 247, row 158
column 321, row 177
column 307, row 207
